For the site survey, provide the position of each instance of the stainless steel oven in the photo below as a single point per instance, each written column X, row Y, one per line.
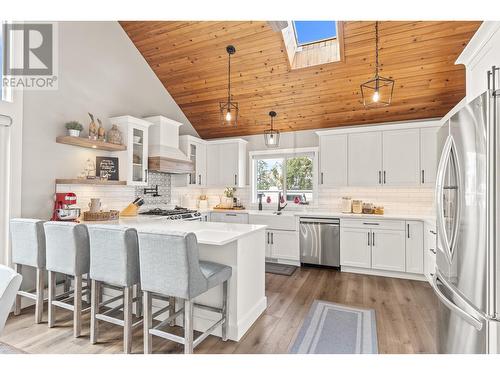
column 320, row 241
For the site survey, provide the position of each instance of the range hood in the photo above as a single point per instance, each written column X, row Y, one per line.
column 164, row 153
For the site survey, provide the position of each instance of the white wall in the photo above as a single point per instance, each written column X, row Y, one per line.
column 102, row 72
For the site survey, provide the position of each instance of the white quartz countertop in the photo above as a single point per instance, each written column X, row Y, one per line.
column 333, row 214
column 207, row 233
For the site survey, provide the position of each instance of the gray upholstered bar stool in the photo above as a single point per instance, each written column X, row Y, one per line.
column 68, row 253
column 114, row 262
column 170, row 266
column 28, row 249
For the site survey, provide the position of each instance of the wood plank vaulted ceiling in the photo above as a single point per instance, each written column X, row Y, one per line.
column 190, row 60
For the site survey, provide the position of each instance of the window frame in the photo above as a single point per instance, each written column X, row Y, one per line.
column 284, row 154
column 316, row 41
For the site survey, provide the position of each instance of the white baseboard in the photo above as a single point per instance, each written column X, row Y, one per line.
column 398, row 275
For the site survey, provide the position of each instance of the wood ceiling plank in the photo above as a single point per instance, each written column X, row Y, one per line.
column 190, row 60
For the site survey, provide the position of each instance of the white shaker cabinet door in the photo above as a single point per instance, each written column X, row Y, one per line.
column 355, row 247
column 228, row 164
column 415, row 247
column 428, row 155
column 365, row 159
column 201, row 164
column 285, row 244
column 401, row 157
column 213, row 167
column 333, row 160
column 388, row 250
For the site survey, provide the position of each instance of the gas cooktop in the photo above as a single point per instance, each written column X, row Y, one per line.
column 178, row 213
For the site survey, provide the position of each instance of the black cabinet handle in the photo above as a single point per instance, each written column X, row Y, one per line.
column 321, row 178
column 199, row 179
column 272, row 238
column 384, row 177
column 368, row 238
column 408, row 229
column 379, row 177
column 236, row 179
column 423, row 176
column 145, row 175
column 373, row 238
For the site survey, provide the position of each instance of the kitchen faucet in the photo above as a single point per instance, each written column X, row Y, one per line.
column 280, row 207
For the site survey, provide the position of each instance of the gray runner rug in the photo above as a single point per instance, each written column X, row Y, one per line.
column 8, row 349
column 330, row 328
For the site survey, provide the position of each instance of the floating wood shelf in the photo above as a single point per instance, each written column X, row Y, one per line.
column 87, row 143
column 81, row 181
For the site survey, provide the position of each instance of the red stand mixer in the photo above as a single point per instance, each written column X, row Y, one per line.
column 64, row 209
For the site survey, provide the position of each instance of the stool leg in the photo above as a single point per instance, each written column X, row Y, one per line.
column 77, row 309
column 40, row 286
column 127, row 319
column 52, row 295
column 94, row 309
column 67, row 283
column 17, row 306
column 171, row 309
column 138, row 303
column 224, row 310
column 87, row 292
column 147, row 322
column 188, row 327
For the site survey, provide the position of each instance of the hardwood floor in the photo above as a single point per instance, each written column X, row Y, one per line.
column 405, row 313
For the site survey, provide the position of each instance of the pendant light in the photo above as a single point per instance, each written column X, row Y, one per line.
column 229, row 109
column 272, row 136
column 377, row 92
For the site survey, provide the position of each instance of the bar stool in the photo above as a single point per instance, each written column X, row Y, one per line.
column 67, row 247
column 114, row 262
column 28, row 249
column 170, row 266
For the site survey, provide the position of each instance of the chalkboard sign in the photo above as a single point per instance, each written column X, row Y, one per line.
column 107, row 167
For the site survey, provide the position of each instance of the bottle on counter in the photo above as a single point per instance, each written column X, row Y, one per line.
column 346, row 205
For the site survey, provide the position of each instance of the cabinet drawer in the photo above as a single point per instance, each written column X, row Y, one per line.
column 229, row 217
column 370, row 223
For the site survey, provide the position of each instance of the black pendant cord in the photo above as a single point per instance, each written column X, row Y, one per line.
column 376, row 48
column 229, row 81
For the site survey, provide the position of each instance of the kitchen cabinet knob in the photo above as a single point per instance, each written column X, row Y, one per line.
column 373, row 239
column 199, row 179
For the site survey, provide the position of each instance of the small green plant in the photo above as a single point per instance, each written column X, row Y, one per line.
column 74, row 125
column 229, row 192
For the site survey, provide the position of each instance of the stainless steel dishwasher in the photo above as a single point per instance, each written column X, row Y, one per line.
column 320, row 241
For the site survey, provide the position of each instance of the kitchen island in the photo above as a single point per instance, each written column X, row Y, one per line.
column 240, row 246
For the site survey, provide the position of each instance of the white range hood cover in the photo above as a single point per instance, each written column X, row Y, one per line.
column 164, row 138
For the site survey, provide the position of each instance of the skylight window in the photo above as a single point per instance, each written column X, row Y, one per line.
column 309, row 32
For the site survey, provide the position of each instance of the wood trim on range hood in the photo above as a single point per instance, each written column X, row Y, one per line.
column 168, row 165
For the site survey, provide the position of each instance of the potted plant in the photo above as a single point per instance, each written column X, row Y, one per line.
column 227, row 199
column 74, row 128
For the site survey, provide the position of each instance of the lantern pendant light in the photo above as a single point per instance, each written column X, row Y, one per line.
column 272, row 136
column 229, row 109
column 377, row 92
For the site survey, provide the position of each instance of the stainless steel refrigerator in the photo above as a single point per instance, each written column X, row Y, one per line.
column 466, row 279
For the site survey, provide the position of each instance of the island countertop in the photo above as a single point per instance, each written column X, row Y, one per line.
column 207, row 233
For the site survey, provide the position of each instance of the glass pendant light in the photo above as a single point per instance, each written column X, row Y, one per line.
column 377, row 92
column 229, row 109
column 272, row 136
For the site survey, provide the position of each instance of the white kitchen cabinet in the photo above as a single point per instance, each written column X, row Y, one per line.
column 365, row 159
column 136, row 137
column 400, row 157
column 226, row 163
column 333, row 160
column 284, row 244
column 355, row 248
column 269, row 246
column 229, row 217
column 388, row 250
column 414, row 247
column 196, row 151
column 428, row 155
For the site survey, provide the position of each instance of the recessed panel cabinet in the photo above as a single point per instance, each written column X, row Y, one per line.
column 400, row 157
column 355, row 249
column 226, row 163
column 388, row 250
column 333, row 160
column 365, row 159
column 428, row 155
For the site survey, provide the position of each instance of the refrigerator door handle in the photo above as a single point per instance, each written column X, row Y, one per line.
column 476, row 323
column 449, row 243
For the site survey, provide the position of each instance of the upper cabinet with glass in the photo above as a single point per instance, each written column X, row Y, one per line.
column 135, row 137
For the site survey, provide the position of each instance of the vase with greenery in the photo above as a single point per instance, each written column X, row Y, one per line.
column 74, row 128
column 227, row 199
